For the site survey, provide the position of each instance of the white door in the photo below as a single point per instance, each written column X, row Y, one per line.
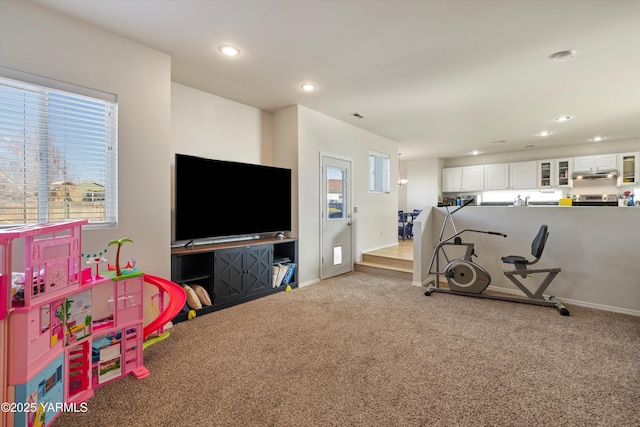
column 335, row 217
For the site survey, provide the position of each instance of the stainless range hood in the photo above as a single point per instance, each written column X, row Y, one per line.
column 600, row 174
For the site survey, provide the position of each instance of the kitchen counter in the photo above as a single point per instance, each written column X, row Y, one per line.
column 540, row 204
column 597, row 249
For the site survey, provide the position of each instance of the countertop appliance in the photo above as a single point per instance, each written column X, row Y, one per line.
column 595, row 200
column 464, row 199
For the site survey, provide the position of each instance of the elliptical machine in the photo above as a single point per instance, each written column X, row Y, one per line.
column 462, row 274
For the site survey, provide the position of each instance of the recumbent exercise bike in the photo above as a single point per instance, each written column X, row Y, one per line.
column 469, row 279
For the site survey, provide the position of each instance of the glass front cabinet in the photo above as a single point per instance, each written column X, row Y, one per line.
column 554, row 173
column 628, row 169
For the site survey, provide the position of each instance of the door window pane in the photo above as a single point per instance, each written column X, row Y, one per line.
column 336, row 185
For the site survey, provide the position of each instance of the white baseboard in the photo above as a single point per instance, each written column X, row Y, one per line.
column 574, row 302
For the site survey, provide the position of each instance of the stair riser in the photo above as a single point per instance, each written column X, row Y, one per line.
column 392, row 262
column 385, row 272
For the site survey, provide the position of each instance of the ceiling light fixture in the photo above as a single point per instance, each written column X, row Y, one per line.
column 562, row 118
column 228, row 50
column 475, row 152
column 544, row 133
column 308, row 87
column 597, row 138
column 563, row 55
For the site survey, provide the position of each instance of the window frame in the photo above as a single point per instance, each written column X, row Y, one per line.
column 96, row 107
column 379, row 167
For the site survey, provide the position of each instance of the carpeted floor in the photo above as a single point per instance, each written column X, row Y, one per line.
column 367, row 350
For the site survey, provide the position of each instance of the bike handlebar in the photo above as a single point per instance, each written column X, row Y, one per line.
column 496, row 233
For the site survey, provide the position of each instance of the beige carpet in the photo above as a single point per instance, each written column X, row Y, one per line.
column 366, row 350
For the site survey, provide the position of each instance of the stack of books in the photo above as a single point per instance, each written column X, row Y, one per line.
column 283, row 274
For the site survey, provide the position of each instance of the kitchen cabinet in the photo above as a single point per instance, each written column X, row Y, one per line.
column 554, row 173
column 629, row 169
column 523, row 175
column 496, row 177
column 563, row 172
column 595, row 163
column 467, row 178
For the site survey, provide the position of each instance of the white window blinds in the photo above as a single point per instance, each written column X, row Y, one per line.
column 58, row 154
column 379, row 179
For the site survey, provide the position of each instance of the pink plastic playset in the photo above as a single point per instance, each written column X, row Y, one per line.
column 69, row 325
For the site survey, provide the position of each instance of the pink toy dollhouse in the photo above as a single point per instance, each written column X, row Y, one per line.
column 56, row 351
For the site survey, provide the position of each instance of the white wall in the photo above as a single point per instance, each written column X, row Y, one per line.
column 210, row 126
column 374, row 226
column 424, row 183
column 285, row 152
column 38, row 41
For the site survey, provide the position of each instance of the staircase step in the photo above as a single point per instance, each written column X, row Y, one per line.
column 384, row 269
column 389, row 261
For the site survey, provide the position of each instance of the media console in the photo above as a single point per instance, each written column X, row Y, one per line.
column 233, row 272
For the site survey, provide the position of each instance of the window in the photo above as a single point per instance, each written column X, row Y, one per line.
column 58, row 152
column 336, row 183
column 378, row 172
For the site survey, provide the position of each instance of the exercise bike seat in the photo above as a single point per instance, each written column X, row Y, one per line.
column 537, row 246
column 515, row 259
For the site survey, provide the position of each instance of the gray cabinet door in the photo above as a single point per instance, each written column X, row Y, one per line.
column 258, row 269
column 228, row 283
column 241, row 272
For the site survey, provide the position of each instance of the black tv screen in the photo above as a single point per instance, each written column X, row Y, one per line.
column 217, row 198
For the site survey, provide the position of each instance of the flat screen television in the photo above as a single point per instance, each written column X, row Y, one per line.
column 218, row 198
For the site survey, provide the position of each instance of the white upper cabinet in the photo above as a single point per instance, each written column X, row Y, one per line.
column 451, row 179
column 523, row 175
column 529, row 175
column 628, row 168
column 595, row 163
column 546, row 174
column 496, row 177
column 554, row 173
column 563, row 171
column 468, row 178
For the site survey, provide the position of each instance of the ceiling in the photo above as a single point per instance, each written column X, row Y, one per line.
column 443, row 78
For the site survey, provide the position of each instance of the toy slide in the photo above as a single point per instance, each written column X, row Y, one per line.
column 177, row 300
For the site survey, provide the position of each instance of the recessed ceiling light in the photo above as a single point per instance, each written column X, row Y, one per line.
column 597, row 138
column 308, row 87
column 544, row 133
column 475, row 152
column 229, row 50
column 562, row 118
column 563, row 55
